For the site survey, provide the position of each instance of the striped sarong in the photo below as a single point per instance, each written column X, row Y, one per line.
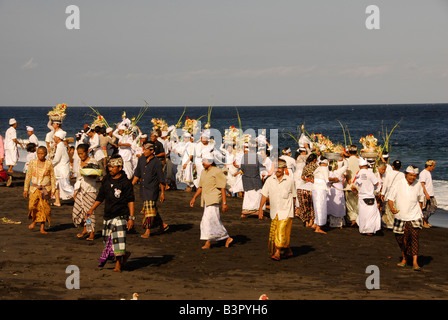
column 429, row 207
column 83, row 202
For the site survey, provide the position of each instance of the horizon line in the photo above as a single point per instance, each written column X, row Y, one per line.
column 242, row 106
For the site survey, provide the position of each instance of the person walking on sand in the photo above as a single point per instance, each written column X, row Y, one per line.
column 149, row 172
column 405, row 200
column 61, row 164
column 305, row 210
column 212, row 188
column 320, row 193
column 118, row 194
column 280, row 189
column 351, row 200
column 85, row 192
column 369, row 218
column 430, row 203
column 11, row 142
column 40, row 185
column 387, row 219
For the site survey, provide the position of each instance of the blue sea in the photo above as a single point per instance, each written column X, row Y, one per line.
column 421, row 134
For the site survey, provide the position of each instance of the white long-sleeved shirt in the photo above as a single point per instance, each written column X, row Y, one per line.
column 406, row 199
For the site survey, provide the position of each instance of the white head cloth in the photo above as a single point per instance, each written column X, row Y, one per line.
column 363, row 162
column 60, row 134
column 412, row 169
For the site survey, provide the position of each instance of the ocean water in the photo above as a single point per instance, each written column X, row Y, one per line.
column 421, row 133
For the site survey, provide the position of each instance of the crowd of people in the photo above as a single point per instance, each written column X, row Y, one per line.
column 322, row 192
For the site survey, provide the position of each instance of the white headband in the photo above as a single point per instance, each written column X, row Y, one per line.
column 412, row 169
column 362, row 162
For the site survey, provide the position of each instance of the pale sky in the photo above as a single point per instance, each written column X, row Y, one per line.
column 230, row 52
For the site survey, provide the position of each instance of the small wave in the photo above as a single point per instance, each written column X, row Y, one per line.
column 441, row 193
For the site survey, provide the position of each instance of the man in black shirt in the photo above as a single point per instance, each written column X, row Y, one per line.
column 149, row 171
column 118, row 193
column 159, row 151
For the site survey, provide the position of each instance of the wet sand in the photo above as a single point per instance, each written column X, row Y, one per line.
column 172, row 265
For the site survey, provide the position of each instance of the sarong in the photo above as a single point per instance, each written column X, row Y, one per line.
column 387, row 219
column 151, row 217
column 187, row 176
column 128, row 168
column 83, row 202
column 39, row 208
column 407, row 235
column 351, row 203
column 429, row 207
column 369, row 218
column 107, row 254
column 251, row 201
column 336, row 208
column 212, row 228
column 320, row 207
column 279, row 234
column 66, row 190
column 306, row 208
column 11, row 157
column 238, row 185
column 115, row 230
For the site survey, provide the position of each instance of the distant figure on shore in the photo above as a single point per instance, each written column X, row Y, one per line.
column 252, row 182
column 40, row 184
column 369, row 218
column 405, row 200
column 32, row 136
column 85, row 193
column 10, row 144
column 319, row 194
column 304, row 193
column 351, row 200
column 430, row 203
column 387, row 219
column 61, row 163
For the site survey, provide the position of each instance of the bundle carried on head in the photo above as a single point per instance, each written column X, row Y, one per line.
column 58, row 112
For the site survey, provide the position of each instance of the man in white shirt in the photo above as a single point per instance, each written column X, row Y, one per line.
column 369, row 218
column 202, row 147
column 387, row 220
column 125, row 150
column 405, row 201
column 282, row 193
column 11, row 142
column 430, row 203
column 32, row 137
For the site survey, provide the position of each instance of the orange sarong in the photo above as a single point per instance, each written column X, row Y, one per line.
column 280, row 234
column 39, row 208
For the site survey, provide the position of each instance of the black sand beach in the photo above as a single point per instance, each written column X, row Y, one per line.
column 172, row 265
